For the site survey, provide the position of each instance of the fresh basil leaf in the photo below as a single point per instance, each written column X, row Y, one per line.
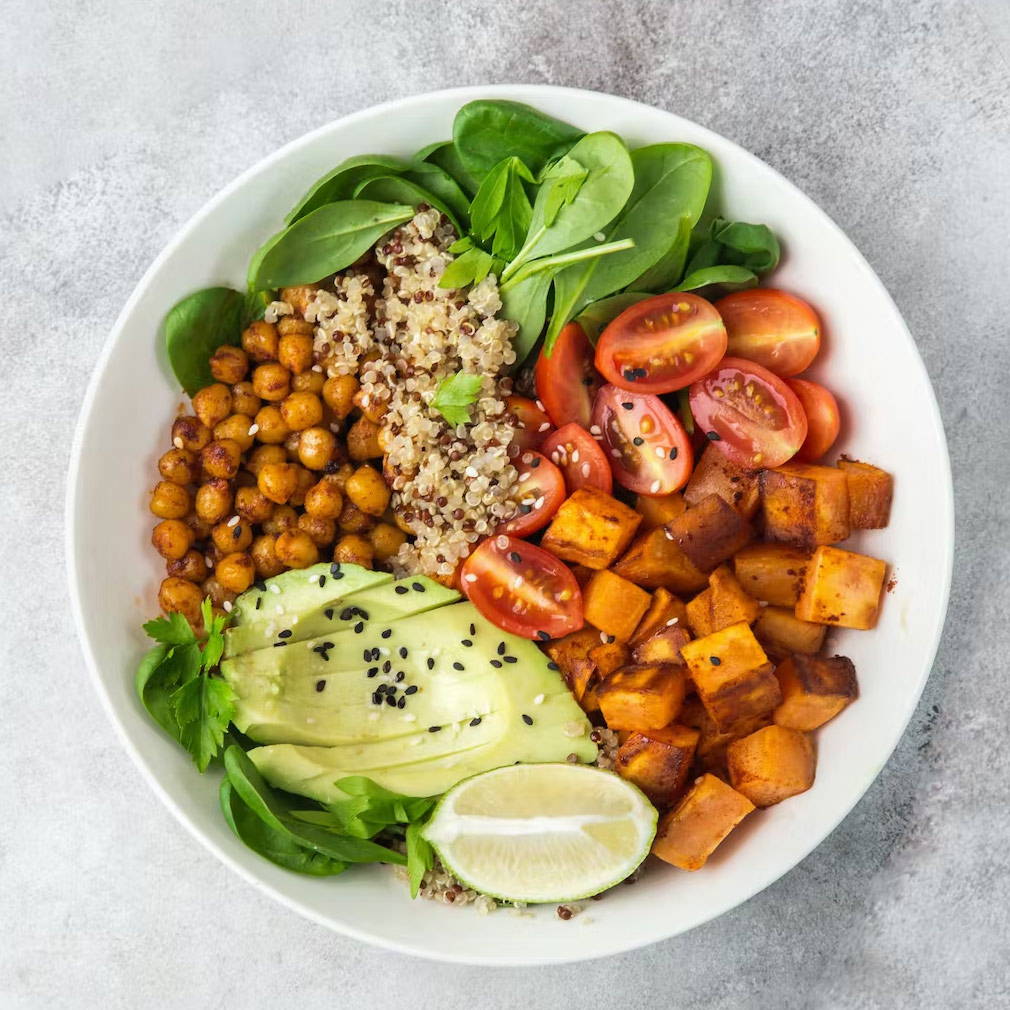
column 326, row 240
column 203, row 708
column 455, row 395
column 594, row 318
column 340, row 182
column 733, row 277
column 420, row 856
column 196, row 326
column 392, row 189
column 444, row 154
column 525, row 303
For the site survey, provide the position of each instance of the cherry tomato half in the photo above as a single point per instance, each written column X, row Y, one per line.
column 541, row 490
column 650, row 452
column 779, row 331
column 567, row 381
column 533, row 423
column 522, row 588
column 750, row 414
column 662, row 344
column 823, row 420
column 580, row 458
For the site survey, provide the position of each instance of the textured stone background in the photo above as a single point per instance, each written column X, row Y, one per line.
column 121, row 118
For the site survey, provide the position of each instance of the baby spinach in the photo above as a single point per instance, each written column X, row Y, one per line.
column 393, row 189
column 525, row 303
column 559, row 261
column 196, row 326
column 594, row 318
column 328, row 239
column 738, row 243
column 733, row 277
column 669, row 268
column 487, row 131
column 444, row 154
column 420, row 856
column 340, row 182
column 440, row 183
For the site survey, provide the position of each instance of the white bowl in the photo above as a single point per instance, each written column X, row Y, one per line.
column 890, row 418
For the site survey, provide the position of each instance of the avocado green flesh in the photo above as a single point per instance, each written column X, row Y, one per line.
column 317, row 736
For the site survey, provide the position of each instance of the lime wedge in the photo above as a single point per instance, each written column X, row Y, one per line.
column 542, row 832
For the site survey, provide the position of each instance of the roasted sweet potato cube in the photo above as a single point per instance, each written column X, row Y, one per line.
column 591, row 528
column 805, row 504
column 715, row 474
column 658, row 761
column 870, row 493
column 692, row 831
column 699, row 614
column 614, row 605
column 710, row 755
column 664, row 611
column 655, row 561
column 842, row 588
column 732, row 674
column 610, row 656
column 729, row 603
column 710, row 532
column 771, row 765
column 642, row 697
column 571, row 654
column 659, row 510
column 663, row 647
column 814, row 690
column 782, row 633
column 771, row 572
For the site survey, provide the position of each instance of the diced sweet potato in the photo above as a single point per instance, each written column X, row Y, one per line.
column 659, row 510
column 710, row 532
column 814, row 690
column 614, row 605
column 805, row 504
column 572, row 656
column 663, row 647
column 713, row 741
column 715, row 474
column 732, row 674
column 771, row 765
column 692, row 831
column 699, row 614
column 842, row 588
column 658, row 761
column 655, row 561
column 591, row 528
column 642, row 697
column 771, row 572
column 729, row 603
column 870, row 493
column 782, row 633
column 665, row 611
column 610, row 656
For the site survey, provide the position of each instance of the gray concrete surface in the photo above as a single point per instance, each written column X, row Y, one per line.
column 121, row 118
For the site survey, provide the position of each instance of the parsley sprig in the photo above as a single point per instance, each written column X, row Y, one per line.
column 455, row 395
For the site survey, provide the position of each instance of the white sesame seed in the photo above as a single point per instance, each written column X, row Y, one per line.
column 233, row 521
column 660, row 452
column 227, row 606
column 539, row 699
column 317, row 368
column 177, row 441
column 594, row 429
column 655, row 486
column 274, row 588
column 599, row 236
column 546, row 426
column 555, row 458
column 469, row 577
column 523, row 477
column 673, row 620
column 208, row 561
column 527, row 458
column 540, row 406
column 539, row 503
column 313, row 580
column 667, row 534
column 253, row 428
column 585, row 470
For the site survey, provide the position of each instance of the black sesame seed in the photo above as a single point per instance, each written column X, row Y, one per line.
column 525, row 510
column 363, row 614
column 631, row 374
column 259, row 602
column 359, row 627
column 418, row 587
column 366, row 655
column 475, row 721
column 473, row 629
column 431, row 664
column 543, row 636
column 458, row 666
column 328, row 613
column 496, row 663
column 372, row 671
column 466, row 642
column 400, row 590
column 261, row 586
column 715, row 660
column 346, row 614
column 673, row 453
column 528, row 719
column 534, row 463
column 335, row 569
column 390, row 701
column 400, row 676
column 627, row 405
column 501, row 648
column 434, row 729
column 277, row 645
column 320, row 684
column 387, row 666
column 552, row 666
column 514, row 557
column 376, row 698
column 713, row 436
column 401, row 702
column 403, row 652
column 410, row 690
column 327, row 645
column 322, row 581
column 510, row 659
column 386, row 633
column 381, row 689
column 325, row 655
column 286, row 633
column 638, row 440
column 236, row 532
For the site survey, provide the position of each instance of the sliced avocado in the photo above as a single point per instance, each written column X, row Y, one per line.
column 479, row 698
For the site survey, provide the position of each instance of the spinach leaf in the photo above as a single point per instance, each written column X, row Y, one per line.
column 525, row 303
column 441, row 184
column 558, row 262
column 737, row 243
column 328, row 239
column 487, row 131
column 669, row 268
column 196, row 326
column 594, row 318
column 340, row 183
column 368, row 809
column 444, row 154
column 733, row 277
column 420, row 856
column 393, row 189
column 277, row 846
column 455, row 395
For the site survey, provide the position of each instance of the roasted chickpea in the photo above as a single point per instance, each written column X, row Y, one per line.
column 172, row 538
column 368, row 491
column 353, row 550
column 180, row 466
column 363, row 440
column 236, row 428
column 229, row 364
column 284, row 518
column 299, row 297
column 260, row 341
column 212, row 404
column 179, row 596
column 308, row 382
column 338, row 394
column 324, row 499
column 263, row 551
column 277, row 481
column 341, row 475
column 294, row 352
column 264, row 454
column 305, row 480
column 386, row 541
column 236, row 572
column 230, row 536
column 271, row 382
column 291, row 444
column 317, row 447
column 322, row 531
column 271, row 428
column 219, row 596
column 169, row 500
column 372, row 409
column 296, row 549
column 252, row 505
column 244, row 399
column 221, row 458
column 191, row 566
column 287, row 325
column 200, row 527
column 190, row 433
column 302, row 410
column 214, row 500
column 353, row 520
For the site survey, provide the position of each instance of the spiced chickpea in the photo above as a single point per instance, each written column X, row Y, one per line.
column 316, row 447
column 372, row 409
column 341, row 474
column 302, row 410
column 214, row 500
column 305, row 480
column 299, row 297
column 324, row 499
column 236, row 572
column 229, row 364
column 172, row 538
column 252, row 505
column 219, row 596
column 271, row 428
column 386, row 541
column 401, row 522
column 180, row 466
column 322, row 531
column 259, row 341
column 308, row 382
column 263, row 551
column 244, row 399
column 190, row 433
column 264, row 454
column 169, row 500
column 200, row 527
column 367, row 491
column 180, row 596
column 295, row 549
column 353, row 549
column 283, row 518
column 236, row 427
column 271, row 382
column 294, row 352
column 212, row 404
column 229, row 537
column 287, row 325
column 191, row 566
column 338, row 394
column 221, row 458
column 277, row 481
column 353, row 520
column 363, row 440
column 291, row 444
